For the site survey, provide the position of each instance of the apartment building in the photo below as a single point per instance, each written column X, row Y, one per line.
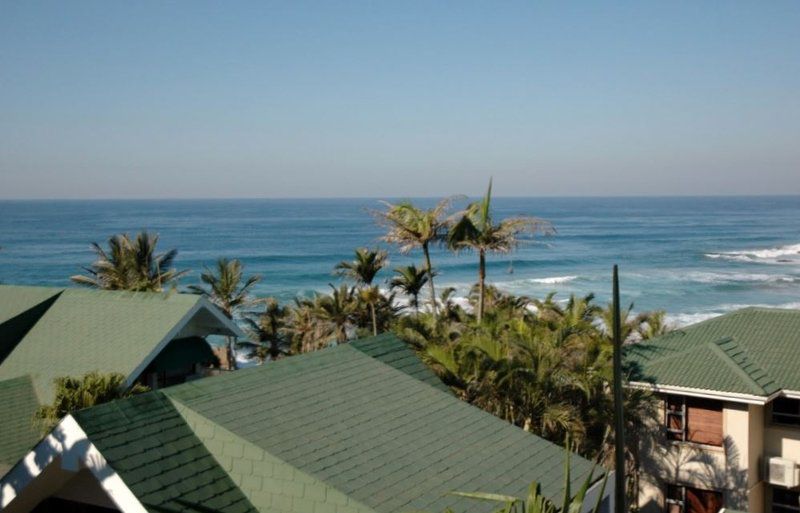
column 729, row 415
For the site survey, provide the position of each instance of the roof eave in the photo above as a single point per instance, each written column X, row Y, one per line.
column 705, row 393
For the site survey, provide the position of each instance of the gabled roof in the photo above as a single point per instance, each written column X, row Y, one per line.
column 49, row 333
column 753, row 351
column 86, row 330
column 15, row 299
column 336, row 430
column 164, row 463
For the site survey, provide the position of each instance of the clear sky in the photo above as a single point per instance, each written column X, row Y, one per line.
column 398, row 98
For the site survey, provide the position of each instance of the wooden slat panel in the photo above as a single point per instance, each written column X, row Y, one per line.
column 704, row 420
column 702, row 501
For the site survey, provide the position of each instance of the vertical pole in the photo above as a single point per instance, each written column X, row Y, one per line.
column 619, row 420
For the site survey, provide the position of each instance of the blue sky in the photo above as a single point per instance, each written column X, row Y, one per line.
column 263, row 99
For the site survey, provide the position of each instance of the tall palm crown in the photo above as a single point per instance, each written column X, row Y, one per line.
column 131, row 264
column 410, row 280
column 364, row 267
column 476, row 230
column 411, row 227
column 227, row 287
column 363, row 270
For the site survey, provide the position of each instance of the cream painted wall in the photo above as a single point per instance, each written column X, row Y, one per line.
column 729, row 468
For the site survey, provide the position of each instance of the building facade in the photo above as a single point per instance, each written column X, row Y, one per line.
column 727, row 433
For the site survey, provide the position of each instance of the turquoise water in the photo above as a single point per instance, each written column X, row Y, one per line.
column 693, row 257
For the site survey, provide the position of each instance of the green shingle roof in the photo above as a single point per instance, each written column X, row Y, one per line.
column 87, row 330
column 388, row 349
column 754, row 351
column 20, row 308
column 375, row 433
column 352, row 429
column 163, row 462
column 18, row 433
column 15, row 299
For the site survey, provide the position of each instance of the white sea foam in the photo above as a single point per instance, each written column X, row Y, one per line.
column 679, row 320
column 781, row 254
column 713, row 277
column 554, row 280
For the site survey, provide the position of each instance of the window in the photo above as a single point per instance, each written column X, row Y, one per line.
column 683, row 499
column 785, row 501
column 693, row 419
column 786, row 411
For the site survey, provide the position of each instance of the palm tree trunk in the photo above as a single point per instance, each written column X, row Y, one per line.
column 481, row 282
column 374, row 319
column 429, row 270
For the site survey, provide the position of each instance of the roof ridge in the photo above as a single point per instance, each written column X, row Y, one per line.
column 182, row 409
column 733, row 364
column 748, row 365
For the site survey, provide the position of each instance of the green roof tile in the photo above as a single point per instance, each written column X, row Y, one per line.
column 161, row 482
column 87, row 330
column 392, row 351
column 752, row 351
column 18, row 434
column 375, row 433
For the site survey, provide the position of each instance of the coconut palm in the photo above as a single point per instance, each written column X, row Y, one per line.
column 364, row 267
column 131, row 264
column 229, row 290
column 476, row 230
column 410, row 280
column 362, row 270
column 268, row 328
column 411, row 227
column 227, row 286
column 337, row 310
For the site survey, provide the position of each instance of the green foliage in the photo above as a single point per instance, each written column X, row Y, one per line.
column 539, row 365
column 410, row 227
column 73, row 394
column 131, row 264
column 226, row 285
column 476, row 230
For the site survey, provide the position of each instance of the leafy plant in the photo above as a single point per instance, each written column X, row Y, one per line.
column 73, row 394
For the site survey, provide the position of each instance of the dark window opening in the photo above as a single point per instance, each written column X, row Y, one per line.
column 785, row 501
column 786, row 411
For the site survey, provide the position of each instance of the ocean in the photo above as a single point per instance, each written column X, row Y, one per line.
column 692, row 257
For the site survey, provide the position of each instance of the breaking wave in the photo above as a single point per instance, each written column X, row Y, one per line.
column 553, row 280
column 781, row 254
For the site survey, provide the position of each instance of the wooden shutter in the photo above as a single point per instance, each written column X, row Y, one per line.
column 704, row 421
column 702, row 501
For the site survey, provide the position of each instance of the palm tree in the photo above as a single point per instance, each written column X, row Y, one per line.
column 131, row 264
column 409, row 281
column 411, row 227
column 229, row 290
column 364, row 267
column 362, row 270
column 477, row 231
column 268, row 327
column 337, row 311
column 226, row 287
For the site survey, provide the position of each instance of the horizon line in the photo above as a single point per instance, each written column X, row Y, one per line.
column 312, row 198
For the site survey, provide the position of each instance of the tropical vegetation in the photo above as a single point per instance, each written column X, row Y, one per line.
column 543, row 364
column 131, row 264
column 76, row 393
